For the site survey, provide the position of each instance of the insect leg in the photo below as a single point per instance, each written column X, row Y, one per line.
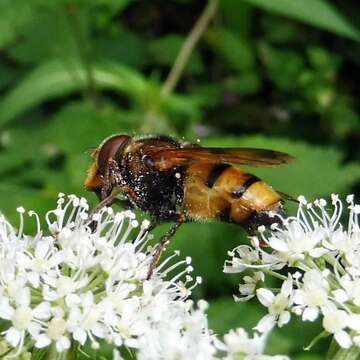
column 107, row 201
column 161, row 246
column 107, row 193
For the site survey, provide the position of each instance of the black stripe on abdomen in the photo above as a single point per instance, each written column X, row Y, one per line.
column 240, row 191
column 215, row 173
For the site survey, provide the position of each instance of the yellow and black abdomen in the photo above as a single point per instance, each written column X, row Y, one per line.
column 220, row 191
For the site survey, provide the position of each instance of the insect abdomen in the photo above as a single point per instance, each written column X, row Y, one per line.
column 223, row 192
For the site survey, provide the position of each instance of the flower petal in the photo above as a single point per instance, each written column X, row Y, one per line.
column 42, row 311
column 63, row 344
column 265, row 296
column 42, row 341
column 265, row 324
column 310, row 313
column 6, row 311
column 284, row 318
column 343, row 339
column 79, row 335
column 13, row 336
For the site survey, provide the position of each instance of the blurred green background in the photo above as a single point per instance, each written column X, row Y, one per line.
column 279, row 74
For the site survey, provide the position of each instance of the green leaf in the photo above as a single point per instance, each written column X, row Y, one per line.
column 316, row 171
column 319, row 13
column 285, row 340
column 7, row 75
column 121, row 44
column 13, row 196
column 324, row 60
column 58, row 78
column 342, row 115
column 14, row 15
column 19, row 147
column 284, row 66
column 224, row 314
column 76, row 131
column 165, row 50
column 233, row 47
column 236, row 15
column 38, row 36
column 208, row 244
column 79, row 128
column 309, row 357
column 245, row 84
column 115, row 6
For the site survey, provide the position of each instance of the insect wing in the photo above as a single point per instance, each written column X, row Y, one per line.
column 164, row 159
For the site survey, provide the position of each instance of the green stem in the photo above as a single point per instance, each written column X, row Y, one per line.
column 329, row 258
column 71, row 354
column 100, row 279
column 188, row 46
column 52, row 354
column 316, row 339
column 274, row 274
column 347, row 354
column 338, row 353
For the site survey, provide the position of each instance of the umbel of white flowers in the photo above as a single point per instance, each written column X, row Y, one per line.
column 75, row 285
column 324, row 259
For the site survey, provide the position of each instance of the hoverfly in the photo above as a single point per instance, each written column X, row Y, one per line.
column 180, row 182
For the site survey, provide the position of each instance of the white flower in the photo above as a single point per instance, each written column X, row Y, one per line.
column 242, row 256
column 56, row 332
column 238, row 342
column 23, row 317
column 86, row 319
column 185, row 336
column 43, row 260
column 296, row 240
column 239, row 345
column 324, row 257
column 311, row 295
column 278, row 306
column 335, row 322
column 248, row 287
column 350, row 289
column 82, row 285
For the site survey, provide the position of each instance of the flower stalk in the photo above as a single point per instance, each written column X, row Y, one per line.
column 345, row 354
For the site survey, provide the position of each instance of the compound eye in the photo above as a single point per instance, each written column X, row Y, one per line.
column 109, row 148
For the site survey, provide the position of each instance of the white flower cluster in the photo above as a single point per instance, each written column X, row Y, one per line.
column 322, row 258
column 86, row 284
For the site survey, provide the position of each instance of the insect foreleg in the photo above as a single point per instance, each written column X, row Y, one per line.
column 108, row 201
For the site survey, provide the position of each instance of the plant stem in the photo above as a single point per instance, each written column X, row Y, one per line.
column 347, row 354
column 70, row 354
column 338, row 353
column 52, row 354
column 188, row 46
column 274, row 274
